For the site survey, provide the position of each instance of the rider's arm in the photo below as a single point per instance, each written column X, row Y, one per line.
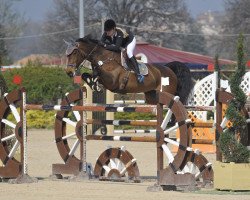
column 104, row 37
column 104, row 40
column 117, row 46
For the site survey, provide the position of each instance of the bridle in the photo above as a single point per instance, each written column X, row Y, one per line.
column 83, row 54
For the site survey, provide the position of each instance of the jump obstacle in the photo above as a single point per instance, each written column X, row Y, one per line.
column 173, row 174
column 200, row 101
column 203, row 132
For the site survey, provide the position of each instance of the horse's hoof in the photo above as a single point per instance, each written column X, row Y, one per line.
column 88, row 81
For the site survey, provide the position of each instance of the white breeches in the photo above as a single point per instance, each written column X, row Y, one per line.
column 131, row 48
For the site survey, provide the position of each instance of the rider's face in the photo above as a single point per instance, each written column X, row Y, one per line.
column 111, row 32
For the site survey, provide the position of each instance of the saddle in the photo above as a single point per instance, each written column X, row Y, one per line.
column 143, row 68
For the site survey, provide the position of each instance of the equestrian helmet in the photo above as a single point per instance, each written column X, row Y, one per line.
column 109, row 24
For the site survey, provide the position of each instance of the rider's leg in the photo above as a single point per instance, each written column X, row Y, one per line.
column 132, row 59
column 135, row 66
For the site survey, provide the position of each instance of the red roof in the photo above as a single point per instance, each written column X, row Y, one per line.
column 157, row 54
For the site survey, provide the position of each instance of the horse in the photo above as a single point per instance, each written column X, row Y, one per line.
column 108, row 70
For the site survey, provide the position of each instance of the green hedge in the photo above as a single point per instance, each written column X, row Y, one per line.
column 38, row 119
column 44, row 85
column 41, row 119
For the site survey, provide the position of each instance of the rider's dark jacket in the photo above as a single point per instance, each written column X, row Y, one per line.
column 121, row 39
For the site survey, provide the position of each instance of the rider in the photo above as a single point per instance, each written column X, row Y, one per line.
column 115, row 39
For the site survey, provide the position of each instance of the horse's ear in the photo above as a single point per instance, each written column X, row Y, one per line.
column 77, row 44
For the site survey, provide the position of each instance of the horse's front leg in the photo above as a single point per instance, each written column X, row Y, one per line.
column 88, row 78
column 92, row 82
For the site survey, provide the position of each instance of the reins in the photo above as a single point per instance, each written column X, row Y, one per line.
column 86, row 57
column 95, row 64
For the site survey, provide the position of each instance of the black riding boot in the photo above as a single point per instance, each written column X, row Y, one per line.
column 140, row 78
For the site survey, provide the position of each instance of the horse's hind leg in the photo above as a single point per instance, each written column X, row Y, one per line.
column 150, row 97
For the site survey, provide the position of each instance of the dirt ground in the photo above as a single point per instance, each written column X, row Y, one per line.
column 42, row 153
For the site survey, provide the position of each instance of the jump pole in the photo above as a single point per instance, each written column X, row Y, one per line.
column 24, row 177
column 93, row 108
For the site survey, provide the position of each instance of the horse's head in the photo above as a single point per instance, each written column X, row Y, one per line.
column 77, row 53
column 74, row 58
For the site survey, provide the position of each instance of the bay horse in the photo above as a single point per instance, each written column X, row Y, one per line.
column 111, row 74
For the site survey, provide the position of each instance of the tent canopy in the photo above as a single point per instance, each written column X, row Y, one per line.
column 155, row 54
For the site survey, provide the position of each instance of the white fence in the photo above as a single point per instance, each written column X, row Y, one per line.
column 203, row 93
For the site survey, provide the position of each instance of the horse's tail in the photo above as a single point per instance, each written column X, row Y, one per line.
column 185, row 82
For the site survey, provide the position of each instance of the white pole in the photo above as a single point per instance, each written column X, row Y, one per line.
column 102, row 25
column 216, row 84
column 25, row 154
column 81, row 18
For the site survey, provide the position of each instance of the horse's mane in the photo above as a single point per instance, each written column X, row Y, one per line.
column 88, row 39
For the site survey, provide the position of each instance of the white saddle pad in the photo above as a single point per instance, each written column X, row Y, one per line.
column 143, row 68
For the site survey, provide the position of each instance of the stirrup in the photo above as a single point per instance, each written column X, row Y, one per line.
column 140, row 78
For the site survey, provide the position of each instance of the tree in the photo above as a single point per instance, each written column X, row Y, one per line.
column 194, row 42
column 232, row 140
column 3, row 48
column 162, row 15
column 3, row 86
column 63, row 18
column 175, row 24
column 11, row 24
column 237, row 21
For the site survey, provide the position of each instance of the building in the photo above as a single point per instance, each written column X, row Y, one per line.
column 44, row 59
column 155, row 54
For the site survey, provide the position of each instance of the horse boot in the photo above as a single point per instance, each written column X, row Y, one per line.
column 140, row 78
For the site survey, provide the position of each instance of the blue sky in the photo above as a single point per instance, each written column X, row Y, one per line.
column 36, row 9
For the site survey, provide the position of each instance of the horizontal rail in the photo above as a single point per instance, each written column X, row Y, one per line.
column 203, row 141
column 143, row 123
column 122, row 138
column 93, row 107
column 200, row 108
column 134, row 131
column 142, row 139
column 123, row 122
column 110, row 108
column 129, row 102
column 203, row 124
